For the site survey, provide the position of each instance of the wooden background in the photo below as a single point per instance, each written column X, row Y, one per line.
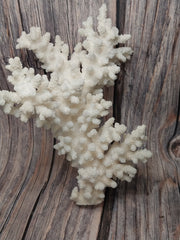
column 35, row 183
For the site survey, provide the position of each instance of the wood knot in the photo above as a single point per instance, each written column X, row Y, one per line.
column 174, row 148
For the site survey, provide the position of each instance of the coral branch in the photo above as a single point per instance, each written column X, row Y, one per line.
column 71, row 104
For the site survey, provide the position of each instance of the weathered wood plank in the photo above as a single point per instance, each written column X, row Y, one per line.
column 149, row 207
column 35, row 184
column 56, row 217
column 24, row 163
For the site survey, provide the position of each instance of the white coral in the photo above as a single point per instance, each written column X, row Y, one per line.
column 71, row 104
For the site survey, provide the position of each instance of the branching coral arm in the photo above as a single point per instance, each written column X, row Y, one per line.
column 103, row 59
column 52, row 56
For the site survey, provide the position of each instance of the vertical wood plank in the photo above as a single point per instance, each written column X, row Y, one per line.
column 148, row 207
column 34, row 202
column 24, row 163
column 56, row 217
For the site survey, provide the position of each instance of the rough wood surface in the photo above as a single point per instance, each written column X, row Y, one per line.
column 35, row 183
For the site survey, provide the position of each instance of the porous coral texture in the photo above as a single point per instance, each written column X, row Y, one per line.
column 71, row 104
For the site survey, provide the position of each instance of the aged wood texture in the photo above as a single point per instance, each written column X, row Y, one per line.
column 35, row 183
column 149, row 207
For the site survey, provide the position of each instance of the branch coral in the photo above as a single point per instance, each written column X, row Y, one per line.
column 71, row 104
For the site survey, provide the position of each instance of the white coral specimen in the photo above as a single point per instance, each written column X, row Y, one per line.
column 71, row 104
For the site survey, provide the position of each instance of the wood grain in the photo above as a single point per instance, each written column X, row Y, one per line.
column 35, row 183
column 149, row 207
